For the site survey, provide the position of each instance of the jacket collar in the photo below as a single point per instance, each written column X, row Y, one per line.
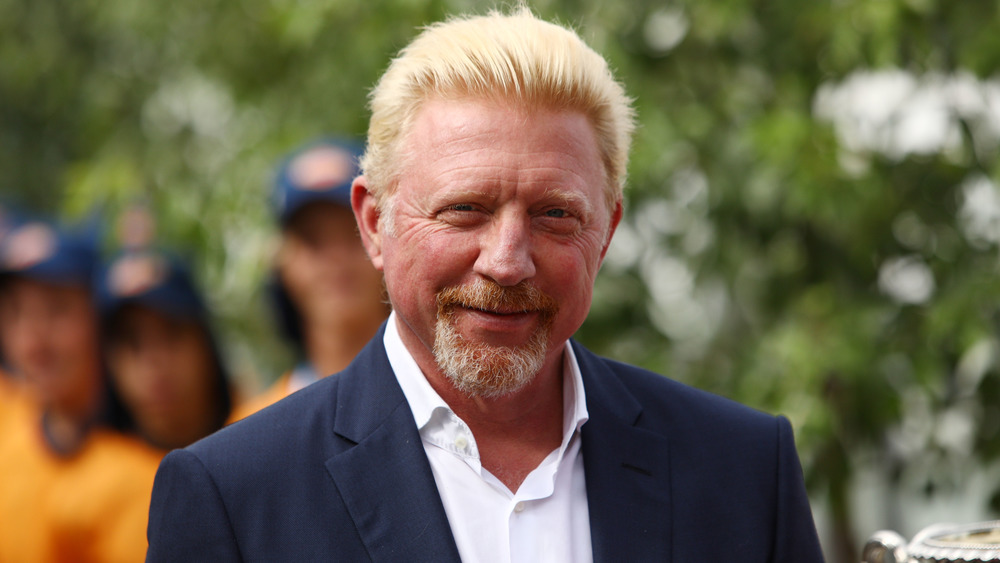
column 385, row 479
column 627, row 471
column 388, row 487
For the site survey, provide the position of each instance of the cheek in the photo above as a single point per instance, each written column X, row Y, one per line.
column 295, row 259
column 570, row 284
column 568, row 274
column 76, row 339
column 360, row 267
column 576, row 263
column 438, row 249
column 126, row 371
column 194, row 366
column 12, row 344
column 297, row 277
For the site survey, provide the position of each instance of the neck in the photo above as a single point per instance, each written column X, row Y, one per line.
column 65, row 431
column 516, row 432
column 331, row 347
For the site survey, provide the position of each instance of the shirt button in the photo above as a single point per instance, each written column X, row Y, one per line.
column 461, row 442
column 519, row 507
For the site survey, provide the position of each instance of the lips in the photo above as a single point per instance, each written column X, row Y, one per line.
column 500, row 320
column 502, row 313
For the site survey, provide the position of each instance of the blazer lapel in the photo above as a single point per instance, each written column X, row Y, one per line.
column 384, row 478
column 627, row 471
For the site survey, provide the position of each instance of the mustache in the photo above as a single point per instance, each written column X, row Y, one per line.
column 489, row 296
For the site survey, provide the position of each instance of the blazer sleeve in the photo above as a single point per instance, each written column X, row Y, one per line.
column 796, row 539
column 187, row 517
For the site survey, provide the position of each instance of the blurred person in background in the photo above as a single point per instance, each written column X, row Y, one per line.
column 48, row 332
column 71, row 489
column 169, row 379
column 328, row 296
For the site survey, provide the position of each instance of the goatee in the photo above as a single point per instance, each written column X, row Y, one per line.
column 483, row 370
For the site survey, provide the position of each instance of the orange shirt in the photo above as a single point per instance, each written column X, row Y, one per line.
column 91, row 506
column 13, row 401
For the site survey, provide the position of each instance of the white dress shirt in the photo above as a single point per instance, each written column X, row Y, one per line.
column 546, row 519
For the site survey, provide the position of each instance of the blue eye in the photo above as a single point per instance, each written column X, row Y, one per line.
column 558, row 213
column 462, row 207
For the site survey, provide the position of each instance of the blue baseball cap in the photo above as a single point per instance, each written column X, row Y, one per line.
column 322, row 170
column 42, row 251
column 150, row 278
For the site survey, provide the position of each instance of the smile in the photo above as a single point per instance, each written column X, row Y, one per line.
column 499, row 312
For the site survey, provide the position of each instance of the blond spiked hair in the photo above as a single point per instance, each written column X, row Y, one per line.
column 513, row 58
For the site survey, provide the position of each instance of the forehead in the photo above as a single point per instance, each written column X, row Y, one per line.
column 20, row 289
column 321, row 215
column 472, row 139
column 138, row 316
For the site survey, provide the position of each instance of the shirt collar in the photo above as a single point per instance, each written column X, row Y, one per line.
column 424, row 400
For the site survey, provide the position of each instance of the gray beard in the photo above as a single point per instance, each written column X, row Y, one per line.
column 482, row 370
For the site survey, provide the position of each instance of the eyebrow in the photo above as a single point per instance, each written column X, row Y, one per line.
column 562, row 197
column 569, row 199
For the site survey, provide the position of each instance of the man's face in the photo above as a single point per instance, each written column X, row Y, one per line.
column 324, row 268
column 49, row 337
column 496, row 232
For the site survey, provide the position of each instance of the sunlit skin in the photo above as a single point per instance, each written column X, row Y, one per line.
column 49, row 338
column 510, row 195
column 164, row 371
column 335, row 288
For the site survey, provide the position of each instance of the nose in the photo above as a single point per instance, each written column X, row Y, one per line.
column 157, row 357
column 505, row 253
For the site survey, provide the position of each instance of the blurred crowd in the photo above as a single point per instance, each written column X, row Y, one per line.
column 108, row 360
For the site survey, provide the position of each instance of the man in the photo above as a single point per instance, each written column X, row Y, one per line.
column 471, row 428
column 327, row 294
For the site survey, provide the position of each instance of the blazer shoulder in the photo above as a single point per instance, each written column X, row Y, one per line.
column 293, row 422
column 316, row 422
column 665, row 406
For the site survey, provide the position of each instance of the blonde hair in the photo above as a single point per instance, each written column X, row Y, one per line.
column 515, row 58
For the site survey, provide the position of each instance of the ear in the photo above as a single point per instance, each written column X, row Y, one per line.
column 367, row 215
column 616, row 217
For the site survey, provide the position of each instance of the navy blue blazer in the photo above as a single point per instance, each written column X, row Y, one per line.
column 337, row 472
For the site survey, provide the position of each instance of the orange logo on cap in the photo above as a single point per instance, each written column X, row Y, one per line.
column 136, row 274
column 321, row 168
column 28, row 246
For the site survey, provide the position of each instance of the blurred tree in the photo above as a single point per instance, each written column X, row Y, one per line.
column 813, row 227
column 812, row 222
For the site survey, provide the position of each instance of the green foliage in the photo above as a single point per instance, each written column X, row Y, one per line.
column 757, row 238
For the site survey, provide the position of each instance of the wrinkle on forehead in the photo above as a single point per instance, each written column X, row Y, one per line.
column 466, row 144
column 460, row 124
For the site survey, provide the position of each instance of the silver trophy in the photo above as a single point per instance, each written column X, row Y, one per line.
column 940, row 543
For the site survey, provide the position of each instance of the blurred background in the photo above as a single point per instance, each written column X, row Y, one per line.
column 812, row 223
